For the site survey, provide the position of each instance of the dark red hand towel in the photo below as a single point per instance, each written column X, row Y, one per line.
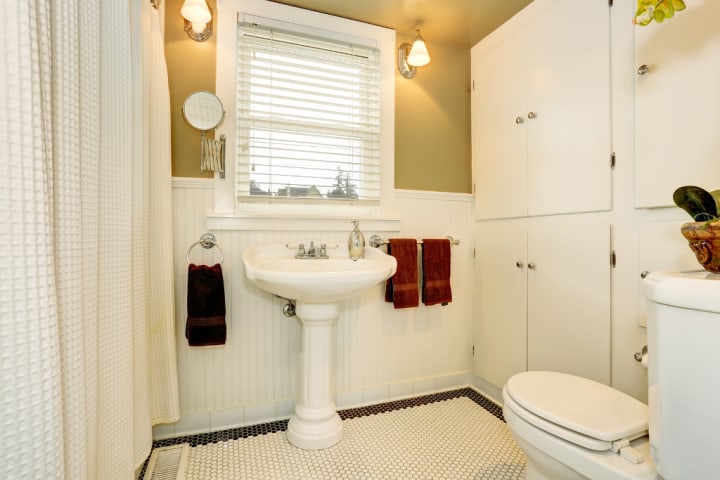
column 402, row 288
column 436, row 272
column 205, row 306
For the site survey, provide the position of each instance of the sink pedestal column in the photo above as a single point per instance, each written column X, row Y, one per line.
column 316, row 424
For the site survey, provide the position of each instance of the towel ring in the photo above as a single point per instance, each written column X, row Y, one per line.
column 207, row 240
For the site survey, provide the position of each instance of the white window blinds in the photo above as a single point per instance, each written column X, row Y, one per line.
column 308, row 117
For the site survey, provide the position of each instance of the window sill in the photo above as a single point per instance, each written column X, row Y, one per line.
column 299, row 222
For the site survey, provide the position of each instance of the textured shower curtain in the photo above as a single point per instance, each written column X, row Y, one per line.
column 87, row 356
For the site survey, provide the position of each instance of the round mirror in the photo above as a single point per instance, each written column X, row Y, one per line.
column 203, row 110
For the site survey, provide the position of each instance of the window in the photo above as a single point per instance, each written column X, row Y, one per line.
column 308, row 117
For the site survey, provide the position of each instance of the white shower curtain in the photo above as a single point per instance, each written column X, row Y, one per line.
column 87, row 358
column 165, row 407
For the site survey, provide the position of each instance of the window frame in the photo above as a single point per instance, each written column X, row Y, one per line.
column 229, row 13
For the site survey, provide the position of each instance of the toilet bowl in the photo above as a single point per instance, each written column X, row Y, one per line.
column 574, row 428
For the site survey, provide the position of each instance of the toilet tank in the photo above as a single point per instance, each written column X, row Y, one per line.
column 683, row 328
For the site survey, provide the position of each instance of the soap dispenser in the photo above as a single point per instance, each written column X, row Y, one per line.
column 356, row 242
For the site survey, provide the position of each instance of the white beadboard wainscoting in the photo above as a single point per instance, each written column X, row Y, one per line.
column 380, row 354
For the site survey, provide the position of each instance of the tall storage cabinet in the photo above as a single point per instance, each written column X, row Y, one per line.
column 541, row 112
column 543, row 301
column 541, row 163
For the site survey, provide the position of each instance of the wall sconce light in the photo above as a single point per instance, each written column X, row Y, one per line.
column 412, row 56
column 198, row 19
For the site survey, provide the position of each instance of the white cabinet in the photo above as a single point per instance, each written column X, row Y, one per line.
column 677, row 104
column 499, row 145
column 500, row 329
column 542, row 301
column 541, row 112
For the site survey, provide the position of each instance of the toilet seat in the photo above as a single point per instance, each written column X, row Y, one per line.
column 578, row 410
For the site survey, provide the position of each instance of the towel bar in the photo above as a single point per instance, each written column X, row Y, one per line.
column 376, row 241
column 207, row 240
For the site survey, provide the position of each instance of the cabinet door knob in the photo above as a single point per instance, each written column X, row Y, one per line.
column 531, row 266
column 532, row 114
column 519, row 264
column 643, row 69
column 519, row 120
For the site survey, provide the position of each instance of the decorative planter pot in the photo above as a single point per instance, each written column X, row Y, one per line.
column 704, row 240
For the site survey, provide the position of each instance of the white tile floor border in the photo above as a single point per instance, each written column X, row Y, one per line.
column 455, row 438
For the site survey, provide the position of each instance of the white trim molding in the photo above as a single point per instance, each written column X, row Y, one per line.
column 431, row 195
column 298, row 222
column 192, row 182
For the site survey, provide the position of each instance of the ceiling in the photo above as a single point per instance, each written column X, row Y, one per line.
column 456, row 22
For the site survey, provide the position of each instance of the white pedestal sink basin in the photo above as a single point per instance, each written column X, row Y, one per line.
column 317, row 286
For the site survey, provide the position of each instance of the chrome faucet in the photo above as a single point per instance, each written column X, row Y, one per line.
column 312, row 251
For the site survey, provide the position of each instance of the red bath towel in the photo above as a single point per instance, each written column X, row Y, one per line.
column 436, row 272
column 205, row 306
column 402, row 288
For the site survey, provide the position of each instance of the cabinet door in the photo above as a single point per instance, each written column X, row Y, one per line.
column 569, row 300
column 498, row 141
column 677, row 104
column 568, row 75
column 500, row 333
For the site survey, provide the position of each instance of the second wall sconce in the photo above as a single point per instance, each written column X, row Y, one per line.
column 412, row 56
column 198, row 19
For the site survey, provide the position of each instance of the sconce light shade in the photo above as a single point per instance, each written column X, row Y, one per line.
column 418, row 56
column 197, row 19
column 412, row 56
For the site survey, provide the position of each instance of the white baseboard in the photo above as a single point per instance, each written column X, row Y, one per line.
column 490, row 391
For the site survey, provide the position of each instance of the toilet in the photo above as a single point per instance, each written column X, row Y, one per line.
column 574, row 428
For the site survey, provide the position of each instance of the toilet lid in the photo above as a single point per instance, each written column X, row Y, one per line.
column 584, row 406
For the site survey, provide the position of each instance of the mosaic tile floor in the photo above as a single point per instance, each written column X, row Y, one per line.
column 453, row 435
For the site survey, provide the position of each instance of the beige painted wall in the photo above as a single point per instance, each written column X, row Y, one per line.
column 432, row 122
column 191, row 67
column 432, row 111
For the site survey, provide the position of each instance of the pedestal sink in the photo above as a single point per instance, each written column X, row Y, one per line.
column 317, row 286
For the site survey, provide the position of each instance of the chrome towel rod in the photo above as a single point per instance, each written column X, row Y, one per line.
column 376, row 241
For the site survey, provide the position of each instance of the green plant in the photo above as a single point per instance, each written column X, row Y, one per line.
column 658, row 10
column 698, row 202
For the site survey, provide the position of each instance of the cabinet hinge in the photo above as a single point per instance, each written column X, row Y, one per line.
column 473, row 85
column 613, row 259
column 473, row 253
column 473, row 350
column 612, row 160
